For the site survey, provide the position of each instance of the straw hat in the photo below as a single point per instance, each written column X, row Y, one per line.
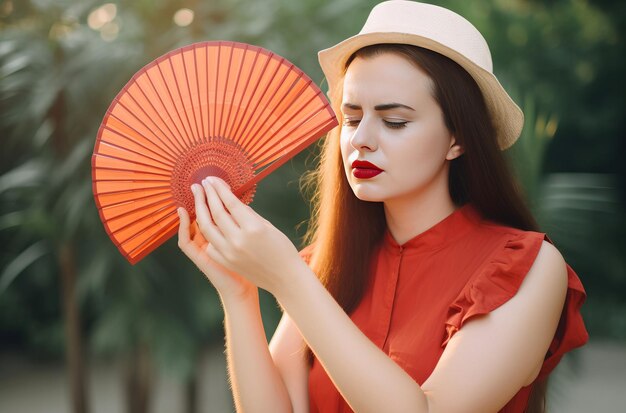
column 438, row 29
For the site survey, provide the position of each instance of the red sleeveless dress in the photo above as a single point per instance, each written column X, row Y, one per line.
column 422, row 292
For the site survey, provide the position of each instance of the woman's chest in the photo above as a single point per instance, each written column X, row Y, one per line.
column 406, row 304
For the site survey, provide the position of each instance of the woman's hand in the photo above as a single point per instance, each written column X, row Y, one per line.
column 194, row 245
column 241, row 240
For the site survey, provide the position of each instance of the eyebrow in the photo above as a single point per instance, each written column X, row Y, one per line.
column 383, row 107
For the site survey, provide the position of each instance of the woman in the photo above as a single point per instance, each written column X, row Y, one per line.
column 426, row 286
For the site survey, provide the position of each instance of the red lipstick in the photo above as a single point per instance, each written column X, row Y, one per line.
column 364, row 169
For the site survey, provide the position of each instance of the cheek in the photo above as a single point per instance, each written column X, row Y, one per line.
column 344, row 153
column 418, row 159
column 344, row 146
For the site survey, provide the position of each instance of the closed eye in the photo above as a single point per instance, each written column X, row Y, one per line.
column 395, row 125
column 392, row 125
column 351, row 122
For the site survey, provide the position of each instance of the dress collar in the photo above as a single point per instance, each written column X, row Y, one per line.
column 452, row 227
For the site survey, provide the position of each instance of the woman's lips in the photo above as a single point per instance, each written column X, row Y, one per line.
column 364, row 169
column 362, row 173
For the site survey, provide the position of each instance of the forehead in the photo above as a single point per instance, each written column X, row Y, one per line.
column 386, row 77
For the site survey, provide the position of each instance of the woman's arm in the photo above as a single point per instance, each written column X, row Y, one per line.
column 488, row 360
column 482, row 367
column 255, row 381
column 288, row 351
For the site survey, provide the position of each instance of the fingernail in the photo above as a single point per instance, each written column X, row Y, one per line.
column 179, row 210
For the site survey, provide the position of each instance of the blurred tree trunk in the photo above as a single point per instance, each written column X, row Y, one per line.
column 73, row 342
column 191, row 392
column 138, row 380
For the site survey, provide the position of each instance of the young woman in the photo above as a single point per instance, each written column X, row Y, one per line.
column 426, row 286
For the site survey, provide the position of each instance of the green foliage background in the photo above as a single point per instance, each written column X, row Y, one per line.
column 562, row 61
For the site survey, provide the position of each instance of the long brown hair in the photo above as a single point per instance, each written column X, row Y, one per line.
column 344, row 230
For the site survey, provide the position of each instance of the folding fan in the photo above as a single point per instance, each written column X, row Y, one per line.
column 221, row 108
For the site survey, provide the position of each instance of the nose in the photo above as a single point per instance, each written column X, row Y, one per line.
column 363, row 138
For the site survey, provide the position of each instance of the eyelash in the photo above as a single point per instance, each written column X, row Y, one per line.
column 395, row 125
column 391, row 125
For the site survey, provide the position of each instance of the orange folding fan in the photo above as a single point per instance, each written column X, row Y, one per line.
column 225, row 109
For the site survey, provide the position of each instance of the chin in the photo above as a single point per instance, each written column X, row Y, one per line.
column 366, row 194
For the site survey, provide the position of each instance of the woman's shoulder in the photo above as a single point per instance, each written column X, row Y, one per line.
column 523, row 243
column 511, row 247
column 520, row 253
column 512, row 254
column 491, row 226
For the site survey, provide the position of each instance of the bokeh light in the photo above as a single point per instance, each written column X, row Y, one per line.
column 183, row 17
column 99, row 17
column 102, row 20
column 109, row 31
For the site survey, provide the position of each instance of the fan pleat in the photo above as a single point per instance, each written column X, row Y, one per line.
column 147, row 245
column 106, row 165
column 214, row 73
column 246, row 70
column 126, row 209
column 247, row 134
column 237, row 56
column 190, row 102
column 222, row 87
column 279, row 149
column 115, row 138
column 136, row 233
column 127, row 225
column 108, row 157
column 172, row 86
column 225, row 108
column 259, row 144
column 146, row 99
column 257, row 80
column 179, row 67
column 113, row 199
column 251, row 136
column 118, row 174
column 162, row 91
column 132, row 155
column 132, row 110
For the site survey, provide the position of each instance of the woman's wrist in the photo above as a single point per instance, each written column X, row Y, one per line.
column 248, row 296
column 291, row 292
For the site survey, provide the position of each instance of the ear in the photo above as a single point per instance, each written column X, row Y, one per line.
column 455, row 150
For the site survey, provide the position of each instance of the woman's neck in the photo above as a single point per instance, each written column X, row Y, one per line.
column 408, row 217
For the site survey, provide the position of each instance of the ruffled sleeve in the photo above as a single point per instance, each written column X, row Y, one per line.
column 499, row 280
column 571, row 331
column 306, row 253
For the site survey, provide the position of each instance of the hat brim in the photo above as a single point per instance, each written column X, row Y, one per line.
column 507, row 117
